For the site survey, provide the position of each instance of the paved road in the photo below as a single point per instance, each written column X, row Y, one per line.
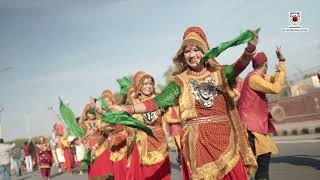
column 299, row 158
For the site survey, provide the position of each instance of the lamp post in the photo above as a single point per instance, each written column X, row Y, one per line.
column 2, row 108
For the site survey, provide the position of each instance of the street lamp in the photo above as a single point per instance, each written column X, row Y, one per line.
column 2, row 108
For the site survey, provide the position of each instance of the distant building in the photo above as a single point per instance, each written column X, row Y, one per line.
column 304, row 86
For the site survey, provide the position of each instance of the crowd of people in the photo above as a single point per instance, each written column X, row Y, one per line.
column 205, row 108
column 39, row 158
column 15, row 159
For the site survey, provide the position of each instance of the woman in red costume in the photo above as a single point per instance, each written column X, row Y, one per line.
column 149, row 158
column 213, row 143
column 118, row 143
column 95, row 140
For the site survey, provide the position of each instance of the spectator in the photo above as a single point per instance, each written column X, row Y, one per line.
column 33, row 152
column 16, row 156
column 80, row 152
column 5, row 160
column 28, row 159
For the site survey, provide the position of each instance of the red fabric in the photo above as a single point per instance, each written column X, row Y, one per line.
column 150, row 105
column 78, row 164
column 153, row 144
column 63, row 166
column 129, row 109
column 101, row 166
column 120, row 169
column 159, row 171
column 26, row 150
column 259, row 59
column 135, row 169
column 45, row 158
column 219, row 108
column 212, row 141
column 174, row 129
column 69, row 159
column 237, row 173
column 45, row 172
column 255, row 119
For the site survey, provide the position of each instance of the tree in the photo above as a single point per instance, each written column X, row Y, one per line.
column 167, row 77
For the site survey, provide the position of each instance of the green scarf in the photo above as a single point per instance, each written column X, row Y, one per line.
column 244, row 37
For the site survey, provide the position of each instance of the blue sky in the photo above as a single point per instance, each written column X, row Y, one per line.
column 76, row 49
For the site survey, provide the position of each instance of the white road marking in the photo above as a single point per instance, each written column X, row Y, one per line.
column 298, row 141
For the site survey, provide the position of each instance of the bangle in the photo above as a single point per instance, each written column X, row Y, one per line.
column 282, row 60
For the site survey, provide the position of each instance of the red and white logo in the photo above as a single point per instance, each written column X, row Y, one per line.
column 295, row 23
column 295, row 18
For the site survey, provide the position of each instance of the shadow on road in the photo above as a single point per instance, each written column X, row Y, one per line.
column 298, row 160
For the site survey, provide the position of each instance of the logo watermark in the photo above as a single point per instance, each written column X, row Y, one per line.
column 295, row 18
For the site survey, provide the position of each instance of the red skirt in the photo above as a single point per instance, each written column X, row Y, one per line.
column 120, row 169
column 135, row 169
column 45, row 172
column 69, row 159
column 101, row 167
column 159, row 171
column 237, row 173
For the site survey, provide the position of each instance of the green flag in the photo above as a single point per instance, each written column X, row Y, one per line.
column 69, row 119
